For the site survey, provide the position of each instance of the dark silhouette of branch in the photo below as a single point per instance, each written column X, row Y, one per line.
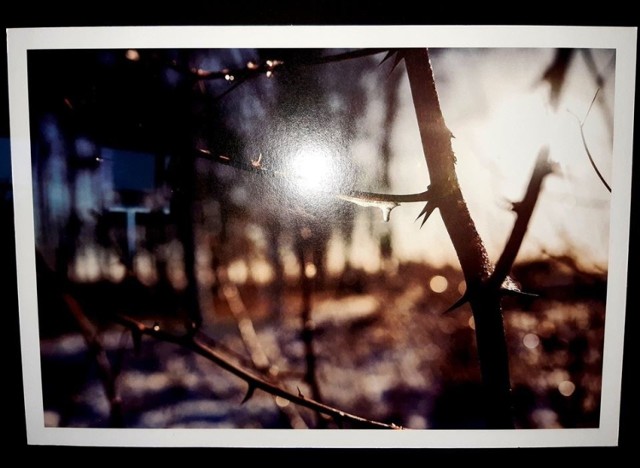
column 586, row 146
column 472, row 254
column 197, row 342
column 524, row 210
column 556, row 74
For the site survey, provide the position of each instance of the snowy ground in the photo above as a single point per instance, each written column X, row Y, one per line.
column 388, row 353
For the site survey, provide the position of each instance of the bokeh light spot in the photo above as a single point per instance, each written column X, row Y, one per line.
column 531, row 340
column 438, row 284
column 281, row 402
column 566, row 388
column 132, row 55
column 310, row 270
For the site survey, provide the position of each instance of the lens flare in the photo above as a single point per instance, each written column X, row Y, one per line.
column 312, row 168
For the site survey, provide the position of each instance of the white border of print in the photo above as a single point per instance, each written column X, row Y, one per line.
column 622, row 39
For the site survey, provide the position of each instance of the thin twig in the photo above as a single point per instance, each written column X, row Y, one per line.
column 586, row 146
column 197, row 343
column 384, row 201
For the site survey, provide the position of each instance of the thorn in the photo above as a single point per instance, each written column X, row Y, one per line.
column 515, row 206
column 249, row 394
column 459, row 303
column 389, row 54
column 257, row 163
column 426, row 211
column 397, row 58
column 300, row 394
column 386, row 212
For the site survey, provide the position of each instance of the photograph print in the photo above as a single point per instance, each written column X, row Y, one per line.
column 402, row 239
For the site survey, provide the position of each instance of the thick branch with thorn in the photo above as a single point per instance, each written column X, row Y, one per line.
column 487, row 311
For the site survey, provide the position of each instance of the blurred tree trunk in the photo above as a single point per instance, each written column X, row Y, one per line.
column 184, row 194
column 391, row 108
column 277, row 286
column 304, row 251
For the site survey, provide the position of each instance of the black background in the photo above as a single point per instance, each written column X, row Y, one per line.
column 311, row 12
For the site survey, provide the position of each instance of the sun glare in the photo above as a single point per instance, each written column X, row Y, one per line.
column 312, row 168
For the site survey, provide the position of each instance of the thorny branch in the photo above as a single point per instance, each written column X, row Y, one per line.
column 483, row 280
column 499, row 281
column 384, row 201
column 586, row 147
column 485, row 283
column 472, row 254
column 197, row 343
column 524, row 210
